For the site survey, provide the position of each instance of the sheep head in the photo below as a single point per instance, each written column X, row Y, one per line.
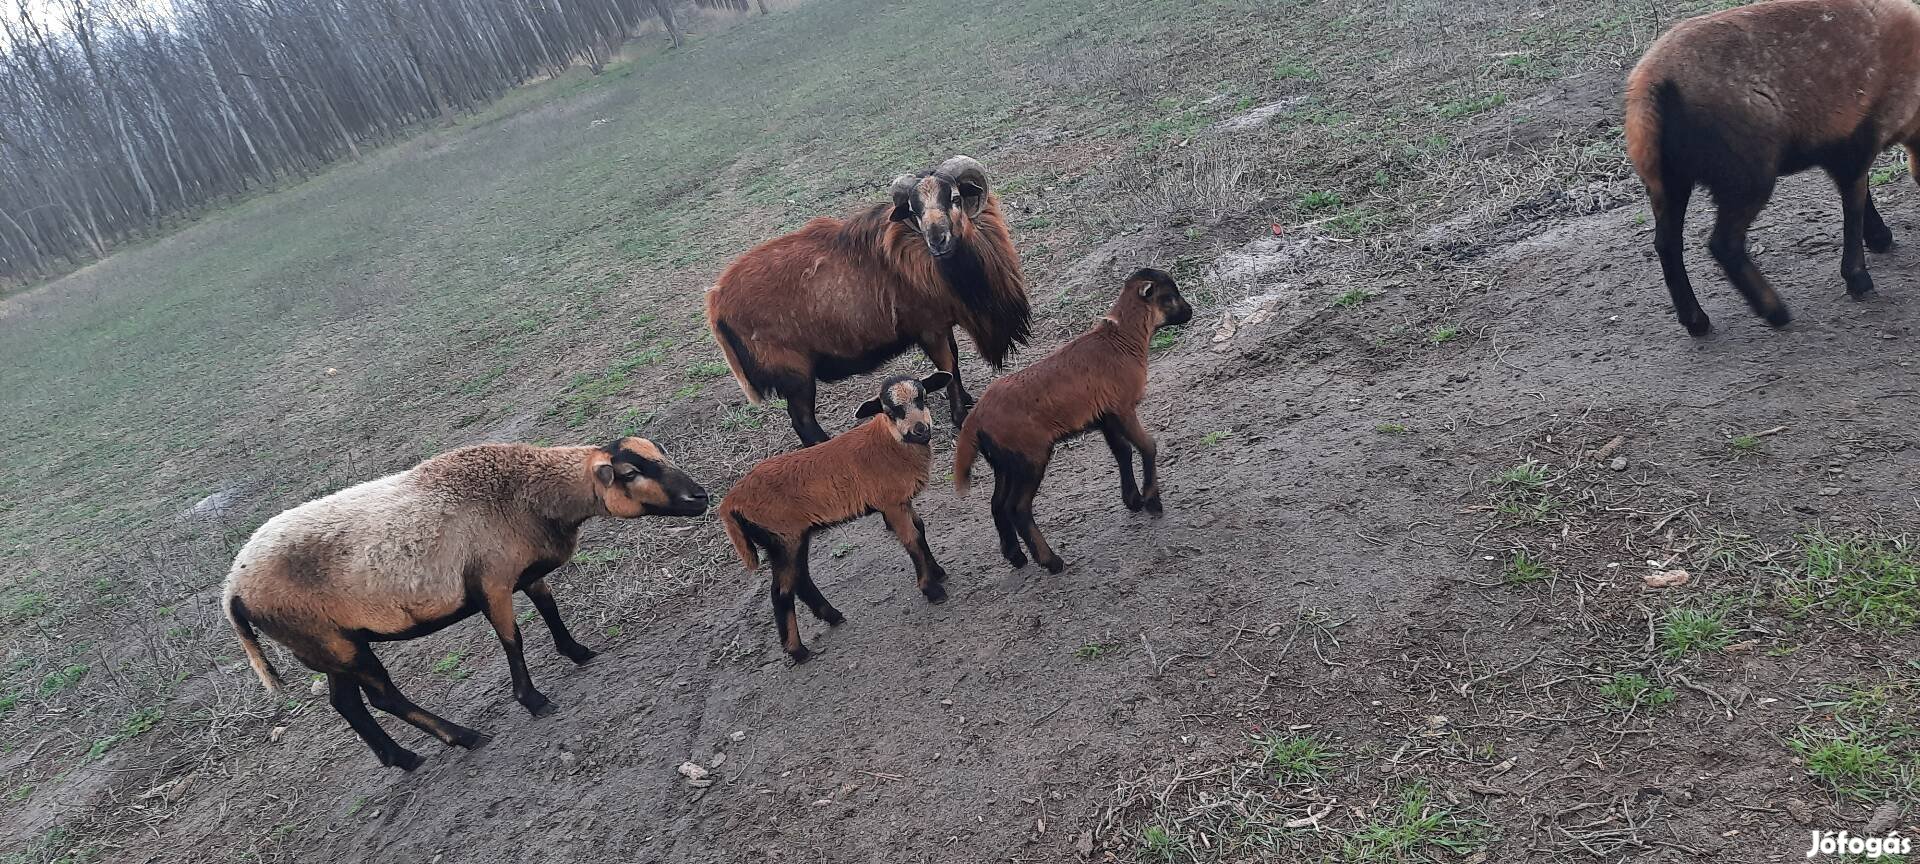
column 633, row 478
column 904, row 400
column 941, row 204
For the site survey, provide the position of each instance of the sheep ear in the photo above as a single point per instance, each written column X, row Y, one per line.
column 604, row 474
column 936, row 382
column 868, row 409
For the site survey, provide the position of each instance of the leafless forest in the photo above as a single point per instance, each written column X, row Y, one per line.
column 117, row 116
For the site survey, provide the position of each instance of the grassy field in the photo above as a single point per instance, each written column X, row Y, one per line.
column 535, row 273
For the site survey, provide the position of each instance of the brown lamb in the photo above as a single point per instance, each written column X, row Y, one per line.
column 878, row 466
column 1095, row 381
column 1736, row 99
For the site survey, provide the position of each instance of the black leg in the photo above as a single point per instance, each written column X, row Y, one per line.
column 1129, row 426
column 1123, row 457
column 500, row 614
column 801, row 409
column 378, row 685
column 1003, row 519
column 344, row 694
column 1029, row 531
column 945, row 354
column 542, row 597
column 1879, row 237
column 928, row 576
column 1669, row 241
column 809, row 593
column 785, row 577
column 1855, row 202
column 1738, row 209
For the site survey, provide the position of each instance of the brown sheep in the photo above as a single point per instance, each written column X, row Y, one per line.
column 839, row 297
column 877, row 466
column 1095, row 381
column 410, row 553
column 1736, row 99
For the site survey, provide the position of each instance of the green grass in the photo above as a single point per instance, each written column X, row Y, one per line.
column 1092, row 651
column 1392, row 429
column 1687, row 630
column 1850, row 764
column 1320, row 200
column 1291, row 758
column 449, row 665
column 1866, row 582
column 61, row 681
column 1415, row 828
column 1469, row 106
column 1212, row 438
column 1522, row 569
column 1632, row 692
column 1163, row 340
column 1528, row 476
column 138, row 724
column 1159, row 844
column 1888, row 174
column 1443, row 334
column 1742, row 446
column 1292, row 70
column 1353, row 297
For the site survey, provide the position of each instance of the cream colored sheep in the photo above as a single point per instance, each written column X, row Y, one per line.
column 411, row 553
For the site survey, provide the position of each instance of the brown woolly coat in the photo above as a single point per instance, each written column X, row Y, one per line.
column 1098, row 373
column 844, row 478
column 402, row 552
column 1780, row 80
column 848, row 288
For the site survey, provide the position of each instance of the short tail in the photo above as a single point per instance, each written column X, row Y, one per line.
column 738, row 534
column 964, row 449
column 735, row 351
column 1647, row 94
column 250, row 642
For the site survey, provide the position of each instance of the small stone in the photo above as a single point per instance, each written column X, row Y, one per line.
column 1619, row 463
column 739, row 735
column 1830, row 491
column 718, row 760
column 318, row 686
column 278, row 733
column 569, row 761
column 1799, row 810
column 1083, row 845
column 824, row 802
column 693, row 771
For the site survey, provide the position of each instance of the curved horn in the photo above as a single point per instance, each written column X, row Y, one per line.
column 902, row 193
column 970, row 177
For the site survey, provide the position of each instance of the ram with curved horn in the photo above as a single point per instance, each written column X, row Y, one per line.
column 840, row 297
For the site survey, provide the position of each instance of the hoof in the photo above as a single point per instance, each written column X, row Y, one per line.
column 538, row 705
column 1054, row 566
column 832, row 616
column 1879, row 243
column 1153, row 505
column 1134, row 502
column 1859, row 285
column 1698, row 328
column 405, row 760
column 579, row 654
column 1015, row 557
column 939, row 575
column 471, row 740
column 1780, row 317
column 936, row 593
column 800, row 655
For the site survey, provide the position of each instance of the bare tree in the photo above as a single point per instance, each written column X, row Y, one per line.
column 118, row 115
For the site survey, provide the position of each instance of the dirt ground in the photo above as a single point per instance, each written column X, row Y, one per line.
column 1414, row 493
